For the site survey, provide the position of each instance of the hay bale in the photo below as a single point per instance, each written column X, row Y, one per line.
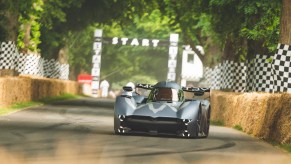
column 264, row 115
column 31, row 88
column 282, row 120
column 14, row 89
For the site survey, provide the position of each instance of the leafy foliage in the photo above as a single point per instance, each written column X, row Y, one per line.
column 122, row 63
column 29, row 30
column 227, row 29
column 3, row 32
column 241, row 28
column 261, row 22
column 251, row 26
column 62, row 17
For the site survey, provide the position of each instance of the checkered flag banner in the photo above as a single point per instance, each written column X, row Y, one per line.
column 262, row 74
column 213, row 77
column 206, row 80
column 8, row 52
column 254, row 75
column 281, row 68
column 228, row 75
column 239, row 77
column 31, row 64
column 250, row 76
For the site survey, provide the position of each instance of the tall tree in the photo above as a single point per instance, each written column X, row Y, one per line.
column 29, row 29
column 10, row 11
column 62, row 17
column 260, row 26
column 241, row 28
column 285, row 25
column 124, row 62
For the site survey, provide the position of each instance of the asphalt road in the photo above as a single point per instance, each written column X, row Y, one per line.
column 81, row 131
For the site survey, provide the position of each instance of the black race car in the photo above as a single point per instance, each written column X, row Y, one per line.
column 165, row 110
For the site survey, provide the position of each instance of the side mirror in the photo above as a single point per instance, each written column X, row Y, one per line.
column 127, row 88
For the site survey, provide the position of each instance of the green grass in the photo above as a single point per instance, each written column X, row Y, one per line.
column 47, row 100
column 238, row 127
column 286, row 147
column 18, row 106
column 217, row 122
column 66, row 96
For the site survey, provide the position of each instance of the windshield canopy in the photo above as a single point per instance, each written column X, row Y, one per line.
column 166, row 94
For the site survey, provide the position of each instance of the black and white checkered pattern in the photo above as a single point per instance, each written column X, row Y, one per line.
column 207, row 72
column 281, row 68
column 240, row 77
column 227, row 74
column 213, row 77
column 64, row 70
column 31, row 64
column 263, row 78
column 250, row 76
column 53, row 69
column 8, row 53
column 216, row 79
column 20, row 62
column 255, row 75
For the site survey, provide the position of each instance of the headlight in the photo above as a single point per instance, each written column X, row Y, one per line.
column 186, row 121
column 121, row 117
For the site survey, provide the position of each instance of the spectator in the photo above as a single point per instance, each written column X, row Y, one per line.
column 104, row 85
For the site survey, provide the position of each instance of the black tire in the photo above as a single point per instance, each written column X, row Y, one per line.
column 198, row 125
column 208, row 120
column 207, row 126
column 206, row 132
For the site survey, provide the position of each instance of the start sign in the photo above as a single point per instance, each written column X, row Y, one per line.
column 135, row 41
column 97, row 47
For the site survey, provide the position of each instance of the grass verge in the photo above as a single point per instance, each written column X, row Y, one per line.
column 217, row 122
column 65, row 96
column 286, row 147
column 18, row 106
column 47, row 100
column 238, row 127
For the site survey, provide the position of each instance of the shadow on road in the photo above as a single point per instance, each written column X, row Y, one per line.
column 91, row 102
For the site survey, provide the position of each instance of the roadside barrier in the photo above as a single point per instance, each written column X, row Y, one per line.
column 263, row 115
column 31, row 64
column 31, row 88
column 263, row 73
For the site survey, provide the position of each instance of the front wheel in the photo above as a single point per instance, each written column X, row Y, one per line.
column 206, row 130
column 197, row 126
column 207, row 125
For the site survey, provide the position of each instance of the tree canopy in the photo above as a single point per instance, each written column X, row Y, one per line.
column 227, row 29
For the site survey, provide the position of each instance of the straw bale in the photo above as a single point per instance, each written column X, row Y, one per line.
column 282, row 119
column 30, row 88
column 264, row 115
